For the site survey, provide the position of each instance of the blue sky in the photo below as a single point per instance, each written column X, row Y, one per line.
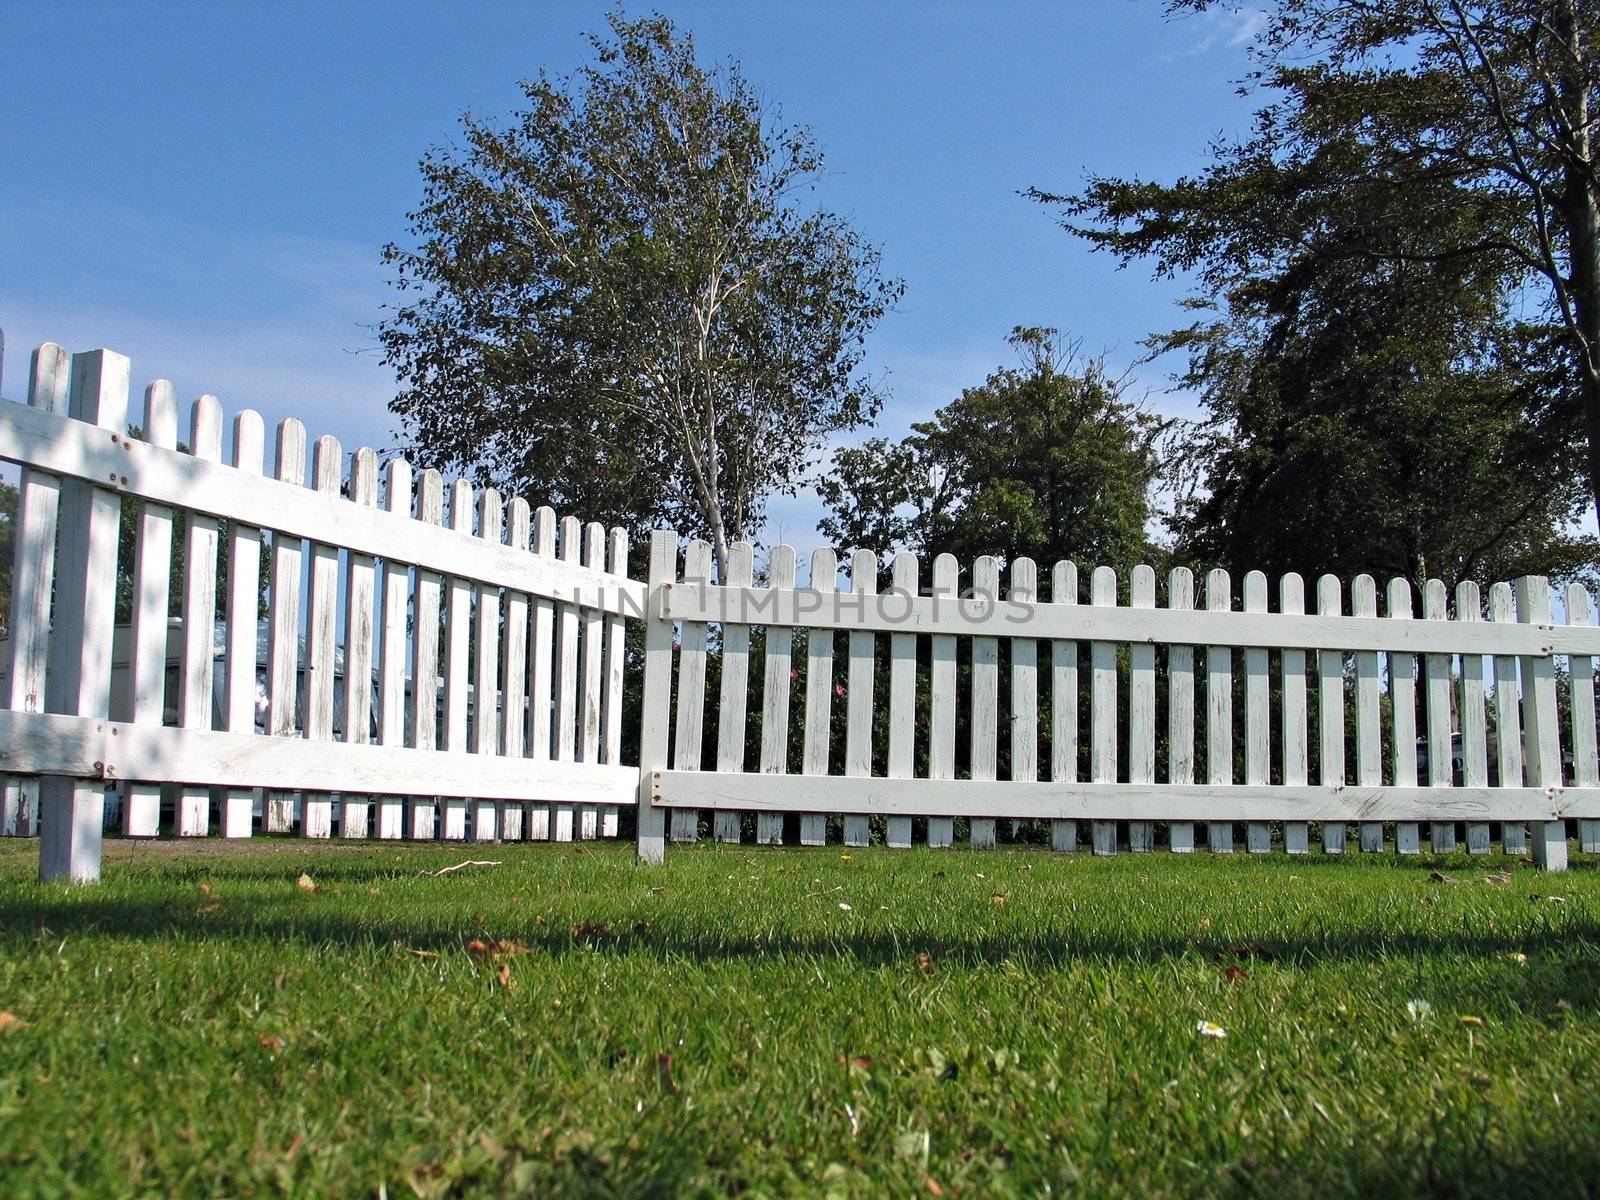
column 206, row 187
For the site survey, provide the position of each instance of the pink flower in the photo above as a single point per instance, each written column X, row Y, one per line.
column 838, row 689
column 793, row 674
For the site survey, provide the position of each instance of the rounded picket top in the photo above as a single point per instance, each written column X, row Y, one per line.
column 904, row 573
column 945, row 573
column 1142, row 586
column 1103, row 587
column 1219, row 590
column 1502, row 602
column 864, row 571
column 824, row 569
column 1399, row 597
column 364, row 475
column 1469, row 601
column 205, row 428
column 1330, row 595
column 49, row 378
column 986, row 577
column 1064, row 582
column 780, row 565
column 1580, row 610
column 1291, row 593
column 544, row 533
column 1024, row 580
column 461, row 506
column 1255, row 591
column 594, row 545
column 519, row 523
column 1364, row 596
column 1180, row 588
column 249, row 441
column 289, row 453
column 397, row 486
column 160, row 420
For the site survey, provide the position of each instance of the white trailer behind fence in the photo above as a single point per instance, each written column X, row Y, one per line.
column 895, row 706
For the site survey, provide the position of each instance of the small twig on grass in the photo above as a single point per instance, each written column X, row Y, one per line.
column 471, row 862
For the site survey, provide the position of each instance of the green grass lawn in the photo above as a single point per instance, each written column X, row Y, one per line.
column 795, row 1022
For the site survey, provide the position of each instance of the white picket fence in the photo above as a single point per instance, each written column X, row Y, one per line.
column 1088, row 686
column 333, row 715
column 507, row 724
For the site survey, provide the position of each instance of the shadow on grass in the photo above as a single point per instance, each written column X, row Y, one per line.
column 1562, row 951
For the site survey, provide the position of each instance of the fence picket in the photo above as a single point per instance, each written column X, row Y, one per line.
column 859, row 693
column 1436, row 675
column 1403, row 707
column 942, row 705
column 244, row 599
column 78, row 671
column 1064, row 704
column 1257, row 718
column 1541, row 734
column 819, row 695
column 486, row 666
column 1585, row 766
column 1474, row 721
column 458, row 594
column 1024, row 680
column 594, row 663
column 541, row 672
column 360, row 590
column 422, row 819
column 1142, row 708
column 1369, row 729
column 563, row 816
column 616, row 646
column 316, row 819
column 983, row 727
column 514, row 672
column 902, row 700
column 775, row 689
column 33, row 570
column 735, row 682
column 1508, row 718
column 1180, row 708
column 690, row 733
column 152, row 572
column 197, row 665
column 391, row 823
column 283, row 629
column 1103, row 707
column 1330, row 710
column 1292, row 735
column 1219, row 710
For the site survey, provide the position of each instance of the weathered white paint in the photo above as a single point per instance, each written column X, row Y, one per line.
column 775, row 691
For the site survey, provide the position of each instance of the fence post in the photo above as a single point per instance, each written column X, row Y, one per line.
column 655, row 709
column 78, row 679
column 1541, row 739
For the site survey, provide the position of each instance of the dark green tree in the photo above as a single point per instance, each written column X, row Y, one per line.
column 1390, row 377
column 1047, row 460
column 621, row 301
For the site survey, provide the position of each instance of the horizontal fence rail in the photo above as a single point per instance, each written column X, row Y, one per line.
column 307, row 641
column 896, row 704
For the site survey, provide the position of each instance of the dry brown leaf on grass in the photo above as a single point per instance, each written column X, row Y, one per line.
column 862, row 1062
column 305, row 883
column 997, row 898
column 925, row 963
column 9, row 1021
column 664, row 1073
column 1441, row 877
column 269, row 1042
column 1501, row 877
column 205, row 889
column 209, row 907
column 503, row 976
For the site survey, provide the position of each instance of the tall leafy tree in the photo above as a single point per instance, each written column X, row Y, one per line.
column 1394, row 375
column 1048, row 460
column 622, row 301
